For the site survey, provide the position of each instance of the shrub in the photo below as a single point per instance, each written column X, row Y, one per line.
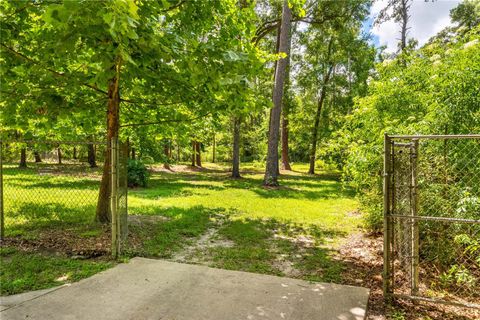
column 138, row 174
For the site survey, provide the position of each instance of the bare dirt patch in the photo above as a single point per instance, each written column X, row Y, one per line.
column 65, row 242
column 197, row 252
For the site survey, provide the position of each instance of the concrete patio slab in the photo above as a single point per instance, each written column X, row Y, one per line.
column 16, row 299
column 157, row 289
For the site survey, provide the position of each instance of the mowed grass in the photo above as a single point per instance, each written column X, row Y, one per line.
column 294, row 230
column 318, row 200
column 258, row 229
column 21, row 271
column 45, row 204
column 46, row 196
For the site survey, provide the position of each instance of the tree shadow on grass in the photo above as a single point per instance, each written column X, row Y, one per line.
column 274, row 247
column 30, row 216
column 172, row 188
column 76, row 183
column 293, row 187
column 164, row 238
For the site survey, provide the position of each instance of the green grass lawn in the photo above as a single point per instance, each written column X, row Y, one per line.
column 309, row 200
column 297, row 226
column 199, row 216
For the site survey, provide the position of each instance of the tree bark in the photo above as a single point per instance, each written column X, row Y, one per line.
column 236, row 148
column 166, row 151
column 92, row 161
column 194, row 151
column 178, row 152
column 103, row 213
column 36, row 154
column 285, row 158
column 198, row 154
column 318, row 114
column 128, row 147
column 134, row 154
column 59, row 155
column 285, row 113
column 272, row 169
column 23, row 158
column 75, row 153
column 404, row 8
column 213, row 149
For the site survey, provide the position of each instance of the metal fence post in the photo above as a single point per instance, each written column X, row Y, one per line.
column 386, row 219
column 414, row 233
column 114, row 198
column 2, row 217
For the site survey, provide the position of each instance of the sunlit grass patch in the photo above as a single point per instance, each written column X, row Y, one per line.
column 21, row 271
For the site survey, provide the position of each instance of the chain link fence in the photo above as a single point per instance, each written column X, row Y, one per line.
column 432, row 218
column 49, row 196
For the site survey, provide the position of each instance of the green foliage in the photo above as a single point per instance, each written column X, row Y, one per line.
column 138, row 173
column 433, row 90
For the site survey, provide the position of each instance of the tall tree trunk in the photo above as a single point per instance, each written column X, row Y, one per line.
column 213, row 149
column 198, row 154
column 318, row 114
column 134, row 154
column 23, row 158
column 272, row 169
column 285, row 158
column 236, row 148
column 285, row 112
column 194, row 151
column 178, row 152
column 92, row 159
column 36, row 154
column 404, row 16
column 166, row 151
column 103, row 213
column 59, row 155
column 128, row 147
column 74, row 152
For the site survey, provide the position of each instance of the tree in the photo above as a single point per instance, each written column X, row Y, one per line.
column 286, row 105
column 271, row 170
column 236, row 148
column 467, row 14
column 124, row 59
column 327, row 73
column 401, row 100
column 398, row 11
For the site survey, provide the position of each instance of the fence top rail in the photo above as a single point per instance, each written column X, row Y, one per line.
column 447, row 219
column 54, row 142
column 435, row 136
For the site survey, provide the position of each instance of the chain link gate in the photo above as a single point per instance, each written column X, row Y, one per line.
column 59, row 181
column 432, row 218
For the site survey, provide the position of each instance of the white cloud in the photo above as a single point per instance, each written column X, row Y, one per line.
column 426, row 19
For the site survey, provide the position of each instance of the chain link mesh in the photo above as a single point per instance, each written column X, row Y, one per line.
column 53, row 188
column 435, row 207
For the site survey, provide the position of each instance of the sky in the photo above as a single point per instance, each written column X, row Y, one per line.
column 427, row 19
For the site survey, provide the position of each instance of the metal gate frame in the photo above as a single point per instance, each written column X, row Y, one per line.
column 119, row 195
column 409, row 143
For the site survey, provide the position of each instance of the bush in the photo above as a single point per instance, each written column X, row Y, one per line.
column 138, row 174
